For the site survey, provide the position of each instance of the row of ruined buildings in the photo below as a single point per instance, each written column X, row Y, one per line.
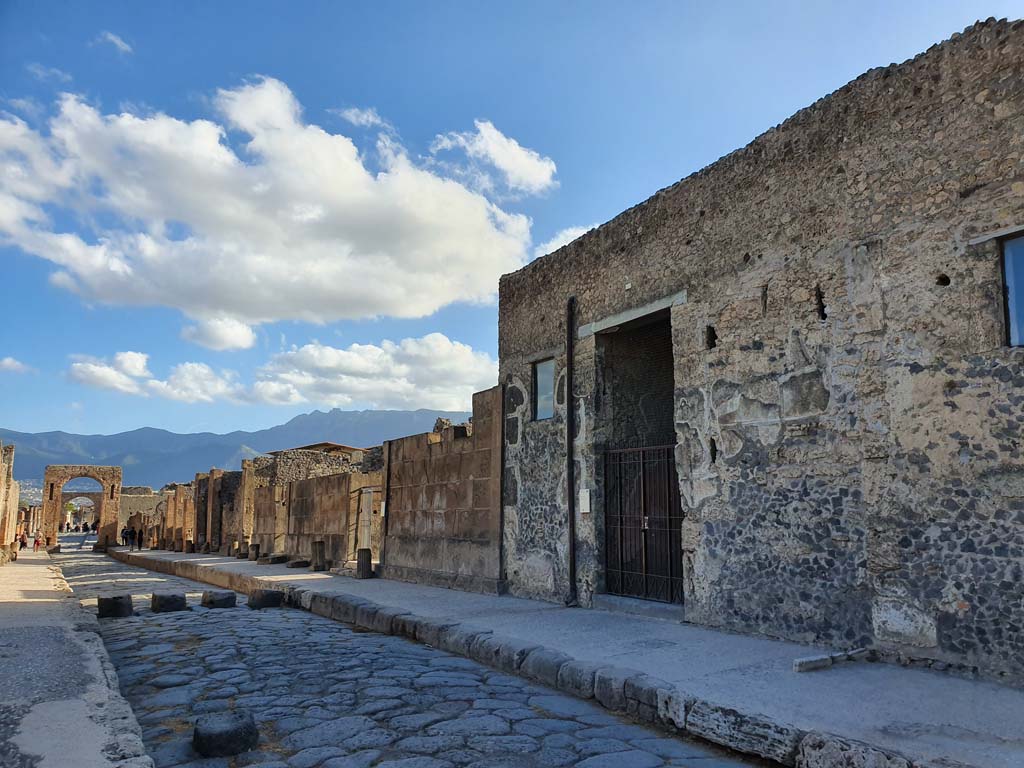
column 784, row 396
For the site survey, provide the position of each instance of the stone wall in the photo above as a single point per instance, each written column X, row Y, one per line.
column 848, row 448
column 9, row 491
column 444, row 503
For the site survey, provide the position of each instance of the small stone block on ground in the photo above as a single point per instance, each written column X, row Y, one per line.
column 168, row 601
column 298, row 563
column 114, row 607
column 218, row 598
column 272, row 559
column 223, row 734
column 266, row 598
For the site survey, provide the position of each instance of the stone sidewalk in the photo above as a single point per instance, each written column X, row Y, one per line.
column 734, row 690
column 58, row 690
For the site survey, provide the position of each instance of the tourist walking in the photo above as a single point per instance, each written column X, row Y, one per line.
column 132, row 535
column 23, row 541
column 36, row 542
column 124, row 536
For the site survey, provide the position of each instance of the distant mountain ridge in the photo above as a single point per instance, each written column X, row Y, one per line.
column 155, row 457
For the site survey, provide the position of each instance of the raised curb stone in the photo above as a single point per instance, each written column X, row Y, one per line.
column 114, row 607
column 746, row 733
column 223, row 734
column 165, row 602
column 218, row 598
column 577, row 678
column 266, row 598
column 818, row 750
column 543, row 664
column 610, row 687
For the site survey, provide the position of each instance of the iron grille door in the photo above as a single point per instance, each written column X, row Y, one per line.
column 643, row 524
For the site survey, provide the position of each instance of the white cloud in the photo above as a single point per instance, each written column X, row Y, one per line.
column 193, row 383
column 101, row 375
column 220, row 333
column 560, row 238
column 10, row 365
column 45, row 74
column 27, row 106
column 295, row 224
column 428, row 372
column 115, row 40
column 523, row 169
column 364, row 118
column 132, row 363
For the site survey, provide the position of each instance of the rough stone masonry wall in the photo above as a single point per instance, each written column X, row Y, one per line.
column 444, row 505
column 9, row 492
column 868, row 484
column 327, row 509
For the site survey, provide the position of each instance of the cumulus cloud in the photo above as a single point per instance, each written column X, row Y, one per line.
column 364, row 118
column 560, row 238
column 432, row 371
column 284, row 221
column 109, row 38
column 47, row 74
column 132, row 363
column 10, row 365
column 220, row 333
column 522, row 169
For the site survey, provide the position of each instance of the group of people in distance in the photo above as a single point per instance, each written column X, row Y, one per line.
column 85, row 528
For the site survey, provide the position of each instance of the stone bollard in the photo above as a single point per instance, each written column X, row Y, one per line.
column 115, row 607
column 223, row 734
column 319, row 561
column 254, row 551
column 243, row 551
column 266, row 598
column 190, row 547
column 364, row 564
column 218, row 598
column 167, row 602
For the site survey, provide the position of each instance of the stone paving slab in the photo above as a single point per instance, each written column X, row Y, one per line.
column 58, row 690
column 735, row 690
column 325, row 694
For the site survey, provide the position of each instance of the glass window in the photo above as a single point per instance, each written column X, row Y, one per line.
column 1013, row 269
column 544, row 389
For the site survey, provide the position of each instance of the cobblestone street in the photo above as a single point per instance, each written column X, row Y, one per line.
column 325, row 694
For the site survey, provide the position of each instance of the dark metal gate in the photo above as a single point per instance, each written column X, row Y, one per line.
column 642, row 524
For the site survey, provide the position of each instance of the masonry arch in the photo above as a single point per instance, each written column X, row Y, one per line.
column 86, row 506
column 58, row 475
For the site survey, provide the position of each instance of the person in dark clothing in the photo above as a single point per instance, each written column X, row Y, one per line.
column 132, row 535
column 124, row 536
column 95, row 525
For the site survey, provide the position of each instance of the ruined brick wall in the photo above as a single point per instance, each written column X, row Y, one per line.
column 443, row 509
column 139, row 509
column 867, row 485
column 327, row 509
column 9, row 491
column 270, row 524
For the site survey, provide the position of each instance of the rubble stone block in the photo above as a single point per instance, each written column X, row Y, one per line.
column 272, row 559
column 266, row 598
column 673, row 705
column 298, row 563
column 167, row 602
column 577, row 678
column 543, row 664
column 218, row 598
column 819, row 750
column 223, row 734
column 254, row 552
column 610, row 686
column 114, row 607
column 512, row 652
column 753, row 734
column 811, row 663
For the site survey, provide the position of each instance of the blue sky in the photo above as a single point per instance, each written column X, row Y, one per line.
column 275, row 207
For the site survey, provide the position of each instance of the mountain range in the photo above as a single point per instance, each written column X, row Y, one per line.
column 155, row 457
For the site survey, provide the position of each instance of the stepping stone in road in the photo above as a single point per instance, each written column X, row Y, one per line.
column 266, row 598
column 222, row 734
column 167, row 602
column 218, row 598
column 115, row 607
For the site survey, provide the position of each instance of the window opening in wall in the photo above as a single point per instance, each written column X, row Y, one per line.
column 543, row 389
column 819, row 301
column 713, row 450
column 51, row 491
column 111, row 492
column 1013, row 280
column 710, row 337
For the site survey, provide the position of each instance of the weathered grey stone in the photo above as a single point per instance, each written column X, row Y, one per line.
column 459, row 638
column 254, row 552
column 218, row 598
column 383, row 619
column 405, row 625
column 577, row 678
column 512, row 652
column 297, row 563
column 543, row 664
column 222, row 734
column 165, row 602
column 645, row 688
column 114, row 607
column 819, row 750
column 266, row 598
column 272, row 559
column 610, row 686
column 753, row 734
column 429, row 631
column 344, row 607
column 811, row 663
